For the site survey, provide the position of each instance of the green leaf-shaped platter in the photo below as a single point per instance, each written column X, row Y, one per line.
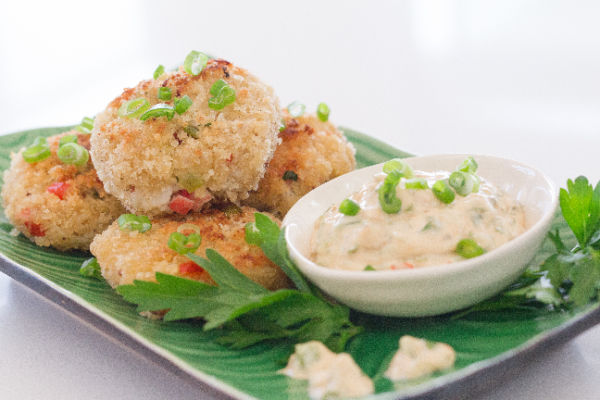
column 487, row 343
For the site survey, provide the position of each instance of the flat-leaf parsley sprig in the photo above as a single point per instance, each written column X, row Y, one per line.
column 570, row 276
column 246, row 312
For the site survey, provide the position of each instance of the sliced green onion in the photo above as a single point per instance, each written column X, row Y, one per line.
column 369, row 268
column 217, row 86
column 158, row 71
column 91, row 268
column 290, row 175
column 252, row 234
column 468, row 248
column 159, row 110
column 400, row 166
column 184, row 244
column 388, row 200
column 476, row 183
column 165, row 93
column 191, row 130
column 133, row 108
column 469, row 165
column 86, row 126
column 67, row 139
column 282, row 126
column 442, row 190
column 416, row 183
column 349, row 207
column 296, row 109
column 195, row 62
column 73, row 153
column 38, row 151
column 182, row 104
column 183, row 228
column 133, row 222
column 461, row 182
column 223, row 95
column 323, row 112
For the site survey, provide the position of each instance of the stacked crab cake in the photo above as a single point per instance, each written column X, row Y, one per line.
column 173, row 148
column 311, row 153
column 125, row 255
column 169, row 146
column 54, row 203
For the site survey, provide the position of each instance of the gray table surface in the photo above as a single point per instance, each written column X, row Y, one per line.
column 509, row 78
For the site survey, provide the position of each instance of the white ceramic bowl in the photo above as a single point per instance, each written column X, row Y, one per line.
column 436, row 289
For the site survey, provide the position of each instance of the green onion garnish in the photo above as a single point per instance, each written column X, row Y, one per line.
column 86, row 126
column 223, row 95
column 349, row 207
column 290, row 175
column 133, row 222
column 67, row 139
column 159, row 110
column 73, row 153
column 399, row 166
column 282, row 126
column 442, row 190
column 468, row 248
column 323, row 112
column 469, row 165
column 182, row 104
column 133, row 108
column 296, row 109
column 158, row 71
column 217, row 86
column 165, row 93
column 476, row 183
column 416, row 183
column 91, row 268
column 195, row 62
column 388, row 200
column 38, row 151
column 184, row 244
column 369, row 268
column 461, row 182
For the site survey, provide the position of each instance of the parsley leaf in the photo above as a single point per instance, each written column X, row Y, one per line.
column 247, row 312
column 569, row 276
column 580, row 205
column 265, row 233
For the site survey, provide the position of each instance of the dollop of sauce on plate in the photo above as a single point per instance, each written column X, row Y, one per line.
column 417, row 358
column 329, row 375
column 424, row 232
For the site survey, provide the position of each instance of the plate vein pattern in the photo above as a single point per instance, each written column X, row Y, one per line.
column 477, row 338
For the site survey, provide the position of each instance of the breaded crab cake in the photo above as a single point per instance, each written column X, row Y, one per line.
column 175, row 163
column 311, row 153
column 125, row 256
column 56, row 204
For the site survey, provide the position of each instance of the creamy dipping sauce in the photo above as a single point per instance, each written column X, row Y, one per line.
column 417, row 358
column 425, row 231
column 329, row 375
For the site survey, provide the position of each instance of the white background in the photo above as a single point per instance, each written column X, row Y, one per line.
column 516, row 79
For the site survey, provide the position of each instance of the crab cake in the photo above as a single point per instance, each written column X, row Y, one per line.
column 311, row 153
column 55, row 204
column 127, row 255
column 164, row 166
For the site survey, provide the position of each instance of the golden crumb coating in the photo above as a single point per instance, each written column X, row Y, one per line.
column 128, row 255
column 208, row 153
column 56, row 204
column 315, row 151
